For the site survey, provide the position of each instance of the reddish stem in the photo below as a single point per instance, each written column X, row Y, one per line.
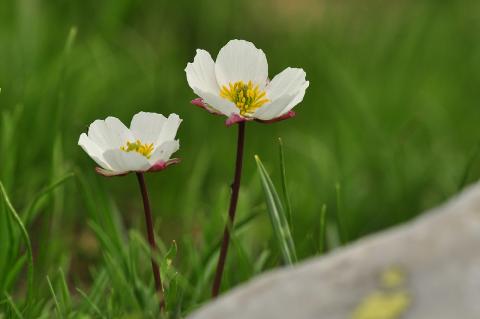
column 231, row 212
column 151, row 239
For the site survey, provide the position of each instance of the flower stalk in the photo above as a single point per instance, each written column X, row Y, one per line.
column 151, row 239
column 232, row 210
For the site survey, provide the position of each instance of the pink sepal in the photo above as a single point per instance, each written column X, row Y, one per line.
column 285, row 116
column 161, row 165
column 200, row 103
column 235, row 118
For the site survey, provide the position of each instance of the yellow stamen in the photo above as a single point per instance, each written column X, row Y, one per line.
column 246, row 96
column 137, row 146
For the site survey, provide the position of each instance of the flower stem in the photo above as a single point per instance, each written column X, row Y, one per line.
column 231, row 212
column 151, row 239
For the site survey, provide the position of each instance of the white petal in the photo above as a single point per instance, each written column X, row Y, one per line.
column 201, row 73
column 164, row 151
column 92, row 150
column 147, row 126
column 286, row 90
column 99, row 133
column 297, row 99
column 119, row 129
column 287, row 82
column 220, row 104
column 169, row 129
column 121, row 161
column 109, row 134
column 240, row 60
column 273, row 109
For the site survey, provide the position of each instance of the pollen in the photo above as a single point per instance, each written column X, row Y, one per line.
column 246, row 96
column 137, row 146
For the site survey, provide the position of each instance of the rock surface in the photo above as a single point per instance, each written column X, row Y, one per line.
column 426, row 269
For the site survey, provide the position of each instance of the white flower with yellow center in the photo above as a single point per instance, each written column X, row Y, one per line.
column 237, row 85
column 146, row 146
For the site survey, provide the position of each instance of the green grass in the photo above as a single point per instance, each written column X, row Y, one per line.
column 391, row 116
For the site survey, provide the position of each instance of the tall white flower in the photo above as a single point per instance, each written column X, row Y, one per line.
column 146, row 146
column 237, row 85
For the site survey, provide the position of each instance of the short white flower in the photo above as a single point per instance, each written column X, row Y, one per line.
column 146, row 146
column 237, row 85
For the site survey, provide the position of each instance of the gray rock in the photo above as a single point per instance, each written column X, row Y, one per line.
column 426, row 269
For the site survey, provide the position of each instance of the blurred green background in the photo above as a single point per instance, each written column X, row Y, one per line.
column 387, row 129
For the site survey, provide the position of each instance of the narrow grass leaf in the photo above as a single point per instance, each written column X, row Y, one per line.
column 97, row 291
column 66, row 298
column 54, row 296
column 11, row 241
column 322, row 237
column 31, row 211
column 14, row 307
column 26, row 238
column 166, row 262
column 286, row 197
column 92, row 305
column 236, row 230
column 261, row 261
column 340, row 222
column 277, row 216
column 246, row 264
column 13, row 272
column 206, row 274
column 468, row 166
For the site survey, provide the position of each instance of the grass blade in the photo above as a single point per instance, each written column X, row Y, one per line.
column 167, row 260
column 261, row 261
column 30, row 213
column 12, row 305
column 468, row 167
column 66, row 298
column 322, row 237
column 92, row 305
column 13, row 272
column 277, row 216
column 340, row 223
column 237, row 229
column 97, row 290
column 288, row 206
column 28, row 243
column 54, row 296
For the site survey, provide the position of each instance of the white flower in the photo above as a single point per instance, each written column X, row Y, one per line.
column 146, row 146
column 237, row 85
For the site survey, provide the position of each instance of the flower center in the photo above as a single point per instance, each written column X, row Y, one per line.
column 246, row 96
column 137, row 146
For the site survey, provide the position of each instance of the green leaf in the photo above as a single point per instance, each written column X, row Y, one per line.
column 12, row 305
column 277, row 216
column 98, row 289
column 468, row 166
column 322, row 236
column 31, row 211
column 166, row 262
column 66, row 298
column 241, row 225
column 26, row 238
column 261, row 261
column 13, row 272
column 72, row 34
column 284, row 182
column 342, row 231
column 54, row 296
column 92, row 305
